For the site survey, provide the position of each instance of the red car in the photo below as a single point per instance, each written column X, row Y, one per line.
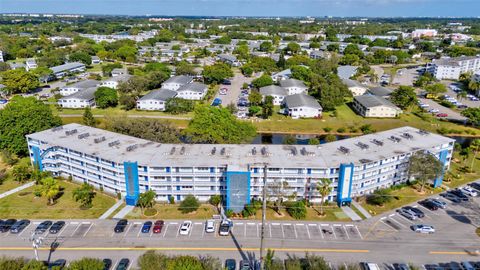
column 157, row 226
column 442, row 115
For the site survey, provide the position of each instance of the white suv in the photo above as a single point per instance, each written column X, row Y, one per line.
column 210, row 226
column 469, row 191
column 185, row 228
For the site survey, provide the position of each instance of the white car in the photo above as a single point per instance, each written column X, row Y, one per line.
column 210, row 226
column 469, row 191
column 419, row 228
column 186, row 227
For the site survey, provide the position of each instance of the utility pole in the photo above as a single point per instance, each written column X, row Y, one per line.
column 264, row 210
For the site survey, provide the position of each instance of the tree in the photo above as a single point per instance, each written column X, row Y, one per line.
column 289, row 139
column 86, row 264
column 255, row 98
column 126, row 53
column 379, row 197
column 164, row 35
column 133, row 86
column 473, row 114
column 353, row 49
column 147, row 199
column 404, row 97
column 301, row 73
column 23, row 116
column 49, row 189
column 424, row 167
column 19, row 81
column 179, row 105
column 267, row 107
column 281, row 60
column 218, row 125
column 107, row 69
column 189, row 204
column 127, row 101
column 436, row 89
column 81, row 57
column 88, row 118
column 475, row 146
column 144, row 128
column 296, row 209
column 106, row 97
column 264, row 80
column 293, row 48
column 84, row 194
column 215, row 200
column 266, row 46
column 184, row 68
column 313, row 141
column 216, row 73
column 329, row 90
column 7, row 157
column 474, row 86
column 324, row 189
column 21, row 173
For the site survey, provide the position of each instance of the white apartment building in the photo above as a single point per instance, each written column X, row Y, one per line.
column 419, row 33
column 155, row 100
column 278, row 93
column 451, row 68
column 78, row 86
column 192, row 91
column 302, row 106
column 375, row 106
column 176, row 82
column 113, row 82
column 78, row 100
column 294, row 86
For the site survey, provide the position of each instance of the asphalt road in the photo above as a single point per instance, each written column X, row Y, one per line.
column 234, row 89
column 383, row 239
column 452, row 115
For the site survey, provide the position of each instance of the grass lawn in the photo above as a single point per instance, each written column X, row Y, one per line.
column 170, row 211
column 25, row 205
column 117, row 110
column 332, row 213
column 179, row 123
column 9, row 183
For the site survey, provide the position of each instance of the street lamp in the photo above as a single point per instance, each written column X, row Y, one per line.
column 36, row 243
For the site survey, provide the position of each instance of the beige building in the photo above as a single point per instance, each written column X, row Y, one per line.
column 375, row 106
column 355, row 87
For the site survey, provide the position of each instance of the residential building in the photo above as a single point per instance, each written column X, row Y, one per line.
column 451, row 68
column 192, row 91
column 317, row 54
column 81, row 99
column 78, row 86
column 345, row 72
column 476, row 77
column 123, row 164
column 155, row 100
column 113, row 82
column 65, row 69
column 15, row 65
column 176, row 82
column 282, row 75
column 278, row 93
column 302, row 106
column 294, row 86
column 375, row 106
column 96, row 60
column 419, row 33
column 380, row 91
column 118, row 72
column 1, row 57
column 229, row 59
column 30, row 64
column 355, row 87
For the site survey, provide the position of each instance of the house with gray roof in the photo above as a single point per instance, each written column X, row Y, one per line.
column 380, row 91
column 302, row 106
column 175, row 82
column 192, row 91
column 375, row 106
column 80, row 99
column 282, row 75
column 78, row 86
column 155, row 100
column 118, row 72
column 355, row 87
column 30, row 64
column 345, row 72
column 229, row 59
column 278, row 93
column 294, row 86
column 113, row 82
column 67, row 68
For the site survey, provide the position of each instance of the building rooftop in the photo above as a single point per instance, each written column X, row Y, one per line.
column 159, row 94
column 301, row 100
column 345, row 72
column 86, row 94
column 119, row 78
column 380, row 91
column 82, row 84
column 228, row 57
column 67, row 66
column 352, row 83
column 454, row 61
column 182, row 79
column 292, row 83
column 273, row 90
column 194, row 87
column 374, row 101
column 119, row 148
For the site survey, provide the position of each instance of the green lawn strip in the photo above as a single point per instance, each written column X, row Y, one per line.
column 332, row 213
column 170, row 211
column 25, row 205
column 117, row 210
column 355, row 209
column 9, row 183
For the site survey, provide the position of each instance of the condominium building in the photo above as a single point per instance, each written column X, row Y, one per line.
column 128, row 165
column 451, row 68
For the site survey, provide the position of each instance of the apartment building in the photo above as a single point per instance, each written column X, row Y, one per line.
column 375, row 106
column 451, row 68
column 128, row 165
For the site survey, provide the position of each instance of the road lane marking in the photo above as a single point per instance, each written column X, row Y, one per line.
column 452, row 253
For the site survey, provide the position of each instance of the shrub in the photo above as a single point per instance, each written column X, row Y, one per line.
column 341, row 130
column 189, row 204
column 171, row 200
column 297, row 210
column 229, row 213
column 367, row 129
column 289, row 139
column 327, row 129
column 379, row 197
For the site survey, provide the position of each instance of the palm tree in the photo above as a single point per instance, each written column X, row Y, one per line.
column 147, row 199
column 84, row 195
column 461, row 95
column 324, row 189
column 474, row 85
column 50, row 189
column 465, row 77
column 475, row 146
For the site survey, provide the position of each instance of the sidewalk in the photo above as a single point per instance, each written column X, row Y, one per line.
column 361, row 209
column 122, row 213
column 351, row 214
column 111, row 210
column 17, row 189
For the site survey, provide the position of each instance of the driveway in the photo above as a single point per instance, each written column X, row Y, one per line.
column 452, row 115
column 405, row 76
column 234, row 89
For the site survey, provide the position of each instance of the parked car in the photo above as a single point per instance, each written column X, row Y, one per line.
column 429, row 205
column 210, row 226
column 401, row 266
column 442, row 115
column 3, row 101
column 420, row 228
column 186, row 227
column 157, row 226
column 43, row 227
column 56, row 227
column 469, row 191
column 121, row 225
column 123, row 264
column 230, row 264
column 58, row 264
column 19, row 226
column 459, row 194
column 475, row 185
column 245, row 265
column 419, row 213
column 107, row 264
column 147, row 226
column 439, row 203
column 407, row 213
column 226, row 82
column 217, row 102
column 467, row 266
column 7, row 224
column 369, row 266
column 451, row 197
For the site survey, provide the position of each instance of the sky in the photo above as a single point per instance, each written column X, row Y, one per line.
column 315, row 8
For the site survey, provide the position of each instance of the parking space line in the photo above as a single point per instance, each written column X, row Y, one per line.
column 346, row 232
column 295, row 231
column 270, row 227
column 390, row 226
column 128, row 229
column 74, row 231
column 361, row 237
column 399, row 223
column 63, row 229
column 91, row 225
column 165, row 230
column 308, row 232
column 283, row 232
column 334, row 234
column 24, row 230
column 321, row 233
column 408, row 220
column 258, row 235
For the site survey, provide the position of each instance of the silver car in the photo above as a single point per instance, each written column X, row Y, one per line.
column 407, row 213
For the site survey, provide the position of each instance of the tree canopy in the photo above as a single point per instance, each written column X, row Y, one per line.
column 404, row 97
column 217, row 73
column 19, row 81
column 145, row 128
column 106, row 97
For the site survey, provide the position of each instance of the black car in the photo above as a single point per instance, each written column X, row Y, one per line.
column 226, row 82
column 123, row 264
column 56, row 227
column 120, row 227
column 43, row 227
column 459, row 194
column 58, row 264
column 419, row 213
column 401, row 266
column 7, row 224
column 429, row 205
column 475, row 185
column 230, row 264
column 19, row 226
column 107, row 264
column 452, row 197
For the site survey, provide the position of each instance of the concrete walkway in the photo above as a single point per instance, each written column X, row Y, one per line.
column 111, row 210
column 17, row 189
column 361, row 209
column 122, row 213
column 350, row 213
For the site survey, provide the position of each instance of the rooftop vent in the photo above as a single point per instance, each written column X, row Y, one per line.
column 377, row 142
column 182, row 150
column 223, row 151
column 99, row 140
column 363, row 146
column 395, row 139
column 83, row 135
column 117, row 142
column 423, row 132
column 71, row 132
column 214, row 150
column 407, row 136
column 254, row 151
column 172, row 151
column 344, row 150
column 132, row 147
column 57, row 128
